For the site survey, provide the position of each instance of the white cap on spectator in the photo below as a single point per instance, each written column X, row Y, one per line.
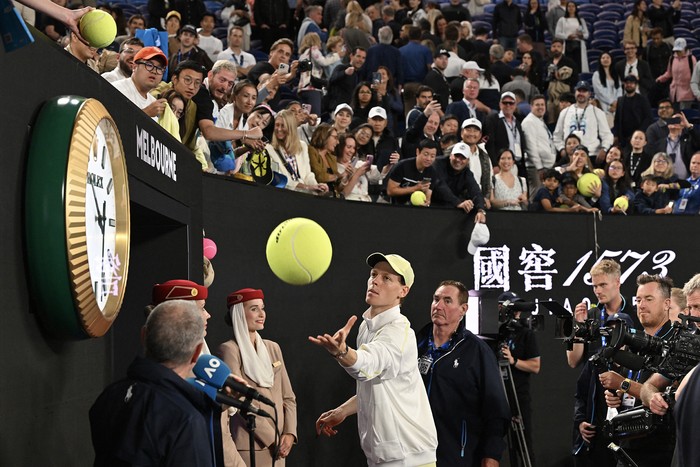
column 340, row 107
column 471, row 65
column 471, row 122
column 508, row 94
column 462, row 149
column 480, row 236
column 377, row 112
column 680, row 45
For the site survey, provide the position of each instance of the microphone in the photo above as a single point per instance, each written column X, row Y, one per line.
column 629, row 360
column 214, row 372
column 216, row 396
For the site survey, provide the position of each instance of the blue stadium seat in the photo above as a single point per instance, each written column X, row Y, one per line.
column 604, row 24
column 259, row 55
column 617, row 54
column 585, row 77
column 693, row 115
column 603, row 44
column 606, row 34
column 618, row 8
column 609, row 16
column 682, row 32
column 589, row 7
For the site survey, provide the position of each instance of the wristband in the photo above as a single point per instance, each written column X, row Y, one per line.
column 342, row 354
column 515, row 361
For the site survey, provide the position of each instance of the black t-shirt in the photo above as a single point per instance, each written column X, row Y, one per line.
column 406, row 174
column 205, row 106
column 258, row 70
column 523, row 346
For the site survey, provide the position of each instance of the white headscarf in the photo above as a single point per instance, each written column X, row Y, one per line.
column 256, row 360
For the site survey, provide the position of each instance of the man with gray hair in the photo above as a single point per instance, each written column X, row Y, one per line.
column 312, row 23
column 499, row 69
column 382, row 54
column 154, row 416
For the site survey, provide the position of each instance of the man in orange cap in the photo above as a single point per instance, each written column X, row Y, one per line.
column 149, row 65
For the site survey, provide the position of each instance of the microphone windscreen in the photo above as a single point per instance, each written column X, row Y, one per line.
column 211, row 370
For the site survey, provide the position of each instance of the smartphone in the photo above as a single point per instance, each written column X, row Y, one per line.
column 426, row 180
column 436, row 97
column 306, row 108
column 673, row 121
column 376, row 77
column 370, row 159
column 283, row 68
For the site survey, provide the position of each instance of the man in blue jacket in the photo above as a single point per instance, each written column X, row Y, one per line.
column 464, row 384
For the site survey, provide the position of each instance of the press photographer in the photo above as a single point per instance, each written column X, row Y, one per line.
column 653, row 304
column 519, row 352
column 585, row 340
column 686, row 409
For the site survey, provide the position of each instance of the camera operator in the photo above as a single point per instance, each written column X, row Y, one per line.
column 651, row 392
column 590, row 409
column 518, row 345
column 653, row 304
column 590, row 412
column 605, row 278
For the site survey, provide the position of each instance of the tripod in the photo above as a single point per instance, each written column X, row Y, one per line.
column 517, row 445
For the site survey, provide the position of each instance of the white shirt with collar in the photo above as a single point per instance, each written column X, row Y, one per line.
column 541, row 150
column 243, row 60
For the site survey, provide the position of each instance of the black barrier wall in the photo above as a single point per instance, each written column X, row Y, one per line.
column 48, row 386
column 548, row 257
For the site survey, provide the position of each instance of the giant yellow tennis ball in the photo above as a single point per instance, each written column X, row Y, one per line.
column 599, row 172
column 586, row 182
column 299, row 251
column 622, row 203
column 98, row 28
column 418, row 198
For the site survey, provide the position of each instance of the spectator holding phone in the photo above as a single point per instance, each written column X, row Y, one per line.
column 356, row 174
column 414, row 174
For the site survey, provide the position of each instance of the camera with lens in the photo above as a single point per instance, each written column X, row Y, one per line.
column 673, row 356
column 509, row 325
column 305, row 65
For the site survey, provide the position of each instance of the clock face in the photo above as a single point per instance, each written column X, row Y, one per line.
column 78, row 222
column 100, row 212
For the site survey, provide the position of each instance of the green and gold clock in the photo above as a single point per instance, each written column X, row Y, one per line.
column 77, row 218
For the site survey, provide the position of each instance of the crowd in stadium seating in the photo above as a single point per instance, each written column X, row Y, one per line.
column 333, row 96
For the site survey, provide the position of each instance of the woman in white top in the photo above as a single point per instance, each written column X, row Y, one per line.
column 574, row 31
column 416, row 12
column 355, row 174
column 607, row 86
column 232, row 117
column 509, row 192
column 289, row 155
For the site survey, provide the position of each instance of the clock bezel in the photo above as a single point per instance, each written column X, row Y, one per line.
column 59, row 274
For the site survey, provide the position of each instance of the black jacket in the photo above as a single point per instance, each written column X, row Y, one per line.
column 495, row 128
column 154, row 417
column 466, row 397
column 455, row 187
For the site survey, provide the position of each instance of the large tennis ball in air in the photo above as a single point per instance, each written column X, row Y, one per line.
column 299, row 251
